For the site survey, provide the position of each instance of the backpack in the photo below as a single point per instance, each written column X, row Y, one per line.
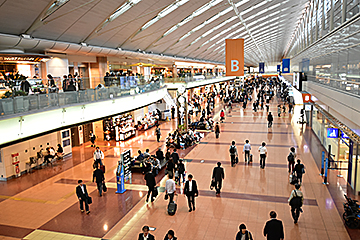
column 232, row 149
column 295, row 201
column 290, row 157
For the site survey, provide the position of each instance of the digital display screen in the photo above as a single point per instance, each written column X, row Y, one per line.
column 66, row 142
column 65, row 134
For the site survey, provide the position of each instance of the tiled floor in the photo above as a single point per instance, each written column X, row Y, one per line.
column 43, row 205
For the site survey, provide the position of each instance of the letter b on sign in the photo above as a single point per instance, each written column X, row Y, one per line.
column 234, row 65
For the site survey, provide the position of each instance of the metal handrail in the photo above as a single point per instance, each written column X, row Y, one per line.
column 36, row 102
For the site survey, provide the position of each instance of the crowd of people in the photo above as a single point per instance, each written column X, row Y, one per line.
column 256, row 90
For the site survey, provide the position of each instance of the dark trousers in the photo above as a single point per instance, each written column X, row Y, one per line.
column 47, row 157
column 217, row 134
column 299, row 177
column 291, row 166
column 262, row 160
column 191, row 200
column 233, row 160
column 269, row 124
column 247, row 156
column 150, row 191
column 295, row 212
column 171, row 197
column 158, row 137
column 81, row 201
column 218, row 185
column 99, row 187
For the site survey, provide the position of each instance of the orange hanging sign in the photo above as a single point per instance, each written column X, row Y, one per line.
column 234, row 49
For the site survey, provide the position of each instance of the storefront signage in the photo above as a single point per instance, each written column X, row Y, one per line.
column 332, row 133
column 20, row 59
column 234, row 49
column 126, row 160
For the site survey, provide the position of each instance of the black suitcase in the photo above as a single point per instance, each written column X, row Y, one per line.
column 172, row 208
column 250, row 158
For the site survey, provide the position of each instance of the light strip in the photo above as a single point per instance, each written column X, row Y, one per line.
column 169, row 9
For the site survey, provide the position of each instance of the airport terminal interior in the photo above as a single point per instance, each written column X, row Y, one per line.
column 179, row 119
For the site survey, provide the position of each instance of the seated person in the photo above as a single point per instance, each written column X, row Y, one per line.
column 147, row 153
column 156, row 166
column 60, row 151
column 50, row 155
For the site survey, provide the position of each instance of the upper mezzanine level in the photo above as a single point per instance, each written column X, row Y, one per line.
column 26, row 116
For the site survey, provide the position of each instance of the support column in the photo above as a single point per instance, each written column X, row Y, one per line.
column 323, row 18
column 316, row 22
column 331, row 16
column 343, row 12
column 174, row 71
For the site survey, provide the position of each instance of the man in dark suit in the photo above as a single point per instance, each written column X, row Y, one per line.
column 150, row 183
column 145, row 235
column 191, row 191
column 82, row 195
column 218, row 176
column 274, row 229
column 99, row 176
column 175, row 157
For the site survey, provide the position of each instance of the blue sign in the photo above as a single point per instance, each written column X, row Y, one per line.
column 262, row 67
column 278, row 68
column 332, row 133
column 120, row 180
column 286, row 65
column 343, row 135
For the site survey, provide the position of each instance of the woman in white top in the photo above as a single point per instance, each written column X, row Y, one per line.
column 263, row 154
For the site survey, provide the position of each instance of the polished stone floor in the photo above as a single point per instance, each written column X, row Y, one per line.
column 43, row 205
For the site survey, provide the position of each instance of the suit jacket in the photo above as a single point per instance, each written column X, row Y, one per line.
column 80, row 194
column 175, row 157
column 150, row 180
column 194, row 188
column 99, row 175
column 141, row 237
column 218, row 173
column 274, row 229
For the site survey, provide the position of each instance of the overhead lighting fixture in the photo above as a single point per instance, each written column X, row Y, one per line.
column 26, row 36
column 120, row 49
column 83, row 44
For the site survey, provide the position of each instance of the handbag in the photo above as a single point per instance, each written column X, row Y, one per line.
column 89, row 200
column 212, row 184
column 155, row 192
column 166, row 196
column 104, row 187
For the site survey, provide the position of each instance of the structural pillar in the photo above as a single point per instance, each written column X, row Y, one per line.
column 331, row 15
column 343, row 12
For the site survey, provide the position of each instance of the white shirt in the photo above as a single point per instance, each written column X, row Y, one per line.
column 190, row 186
column 98, row 155
column 170, row 186
column 262, row 150
column 147, row 236
column 82, row 188
column 247, row 147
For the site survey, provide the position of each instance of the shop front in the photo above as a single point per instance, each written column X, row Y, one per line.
column 341, row 144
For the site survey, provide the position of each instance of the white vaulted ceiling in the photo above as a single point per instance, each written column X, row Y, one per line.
column 195, row 29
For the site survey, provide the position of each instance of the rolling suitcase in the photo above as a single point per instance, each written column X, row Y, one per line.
column 172, row 207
